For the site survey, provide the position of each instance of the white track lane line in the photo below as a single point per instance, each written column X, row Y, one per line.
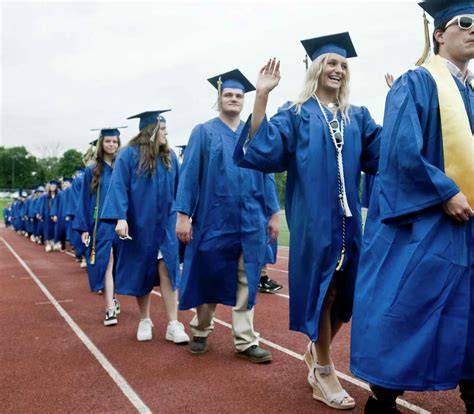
column 103, row 361
column 299, row 357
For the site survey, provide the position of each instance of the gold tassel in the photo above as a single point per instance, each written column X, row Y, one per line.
column 341, row 260
column 426, row 50
column 92, row 261
column 306, row 62
column 219, row 87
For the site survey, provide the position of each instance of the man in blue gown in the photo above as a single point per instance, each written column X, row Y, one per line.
column 229, row 207
column 413, row 320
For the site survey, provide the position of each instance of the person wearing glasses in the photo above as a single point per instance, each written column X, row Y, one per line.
column 323, row 142
column 227, row 216
column 99, row 237
column 140, row 201
column 413, row 323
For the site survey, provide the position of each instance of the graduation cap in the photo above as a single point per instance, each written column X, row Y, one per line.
column 444, row 10
column 53, row 182
column 339, row 43
column 441, row 11
column 67, row 179
column 149, row 118
column 40, row 189
column 107, row 132
column 234, row 79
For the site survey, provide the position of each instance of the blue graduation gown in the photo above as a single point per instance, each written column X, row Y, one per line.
column 59, row 210
column 37, row 213
column 367, row 186
column 229, row 207
column 146, row 202
column 84, row 221
column 301, row 144
column 71, row 207
column 7, row 216
column 28, row 215
column 14, row 219
column 45, row 211
column 413, row 324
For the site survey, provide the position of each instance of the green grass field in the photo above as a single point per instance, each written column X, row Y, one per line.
column 3, row 203
column 284, row 237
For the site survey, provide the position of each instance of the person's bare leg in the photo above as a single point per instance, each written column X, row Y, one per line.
column 170, row 297
column 335, row 328
column 144, row 306
column 109, row 284
column 325, row 332
column 328, row 381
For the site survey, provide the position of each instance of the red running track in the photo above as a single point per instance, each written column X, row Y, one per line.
column 60, row 358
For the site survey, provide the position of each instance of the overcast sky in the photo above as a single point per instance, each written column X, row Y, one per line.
column 67, row 67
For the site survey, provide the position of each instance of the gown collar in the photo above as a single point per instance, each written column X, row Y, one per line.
column 228, row 129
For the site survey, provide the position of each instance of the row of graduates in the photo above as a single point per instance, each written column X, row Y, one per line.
column 410, row 282
column 46, row 214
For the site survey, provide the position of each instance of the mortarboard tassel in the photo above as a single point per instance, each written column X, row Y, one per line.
column 306, row 62
column 426, row 50
column 219, row 87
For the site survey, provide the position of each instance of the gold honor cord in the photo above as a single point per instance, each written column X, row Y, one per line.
column 96, row 220
column 458, row 142
column 426, row 50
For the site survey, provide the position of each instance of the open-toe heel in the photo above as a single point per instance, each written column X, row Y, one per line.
column 339, row 400
column 310, row 358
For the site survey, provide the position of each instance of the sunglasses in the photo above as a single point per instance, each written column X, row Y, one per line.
column 334, row 124
column 464, row 22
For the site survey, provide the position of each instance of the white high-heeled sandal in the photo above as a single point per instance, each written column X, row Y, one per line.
column 310, row 358
column 340, row 400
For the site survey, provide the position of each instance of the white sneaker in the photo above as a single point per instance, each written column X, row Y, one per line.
column 175, row 332
column 57, row 247
column 47, row 247
column 83, row 263
column 144, row 330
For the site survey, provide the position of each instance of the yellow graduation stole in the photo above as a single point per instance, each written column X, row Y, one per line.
column 458, row 142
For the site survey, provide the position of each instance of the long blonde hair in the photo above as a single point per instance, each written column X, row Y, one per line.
column 313, row 75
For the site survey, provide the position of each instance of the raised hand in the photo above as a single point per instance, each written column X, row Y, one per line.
column 269, row 76
column 389, row 79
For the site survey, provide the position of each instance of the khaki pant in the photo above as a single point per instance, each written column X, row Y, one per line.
column 242, row 318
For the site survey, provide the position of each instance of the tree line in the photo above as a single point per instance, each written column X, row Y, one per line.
column 21, row 169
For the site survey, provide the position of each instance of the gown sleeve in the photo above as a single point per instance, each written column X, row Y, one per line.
column 190, row 175
column 409, row 182
column 116, row 201
column 271, row 195
column 270, row 148
column 81, row 219
column 371, row 132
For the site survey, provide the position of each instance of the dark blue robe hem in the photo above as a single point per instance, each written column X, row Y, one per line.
column 399, row 386
column 128, row 292
column 185, row 306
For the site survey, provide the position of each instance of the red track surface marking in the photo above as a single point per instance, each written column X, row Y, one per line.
column 166, row 377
